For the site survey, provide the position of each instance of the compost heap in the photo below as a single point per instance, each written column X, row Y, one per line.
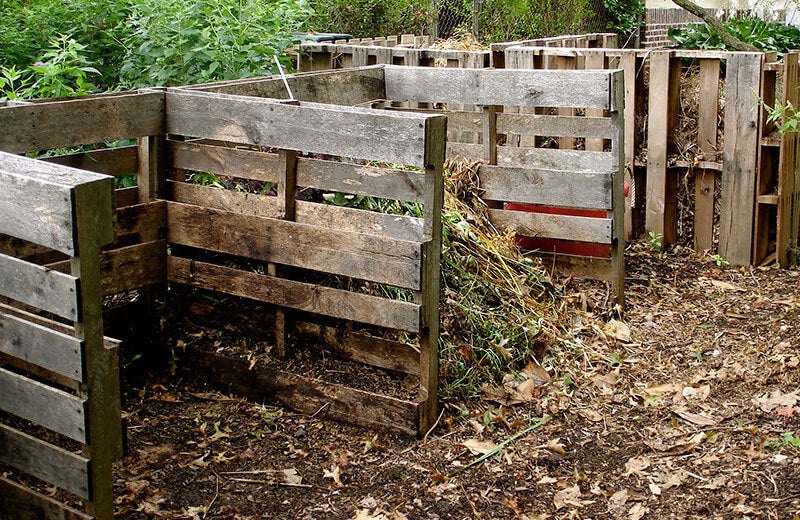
column 499, row 310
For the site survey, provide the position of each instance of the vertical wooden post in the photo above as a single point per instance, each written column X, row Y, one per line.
column 786, row 235
column 617, row 193
column 490, row 134
column 287, row 187
column 629, row 63
column 93, row 218
column 566, row 63
column 707, row 140
column 661, row 214
column 428, row 297
column 595, row 60
column 740, row 156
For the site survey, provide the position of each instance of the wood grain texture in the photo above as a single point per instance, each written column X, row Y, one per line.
column 109, row 161
column 88, row 120
column 376, row 259
column 541, row 88
column 562, row 227
column 364, row 348
column 220, row 160
column 39, row 287
column 141, row 218
column 787, row 227
column 544, row 158
column 393, row 137
column 28, row 504
column 739, row 157
column 558, row 126
column 704, row 180
column 50, row 407
column 588, row 190
column 45, row 461
column 306, row 395
column 579, row 266
column 36, row 202
column 336, row 303
column 56, row 351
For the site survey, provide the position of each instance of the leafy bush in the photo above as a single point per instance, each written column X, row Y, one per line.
column 626, row 15
column 368, row 18
column 176, row 43
column 507, row 20
column 63, row 70
column 766, row 36
column 27, row 29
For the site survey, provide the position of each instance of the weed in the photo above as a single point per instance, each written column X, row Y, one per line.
column 616, row 359
column 719, row 260
column 786, row 440
column 656, row 241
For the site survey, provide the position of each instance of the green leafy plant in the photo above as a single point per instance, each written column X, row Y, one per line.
column 505, row 20
column 175, row 43
column 766, row 36
column 368, row 18
column 626, row 15
column 655, row 240
column 719, row 260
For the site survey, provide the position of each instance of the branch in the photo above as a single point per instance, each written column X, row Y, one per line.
column 728, row 38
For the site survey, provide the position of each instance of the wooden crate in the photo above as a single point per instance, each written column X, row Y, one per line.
column 62, row 376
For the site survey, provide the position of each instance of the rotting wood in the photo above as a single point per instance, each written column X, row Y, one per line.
column 562, row 227
column 306, row 395
column 54, row 291
column 32, row 505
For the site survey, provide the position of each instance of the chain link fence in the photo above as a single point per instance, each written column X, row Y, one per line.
column 504, row 20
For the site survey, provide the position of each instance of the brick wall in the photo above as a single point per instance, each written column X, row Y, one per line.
column 658, row 21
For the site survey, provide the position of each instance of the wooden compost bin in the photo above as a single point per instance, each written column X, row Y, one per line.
column 745, row 206
column 57, row 374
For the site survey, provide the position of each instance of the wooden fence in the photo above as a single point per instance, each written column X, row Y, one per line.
column 63, row 377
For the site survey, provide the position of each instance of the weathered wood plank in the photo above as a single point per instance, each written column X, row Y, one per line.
column 109, row 161
column 375, row 259
column 47, row 406
column 336, row 303
column 133, row 267
column 233, row 162
column 56, row 351
column 589, row 190
column 541, row 88
column 28, row 504
column 126, row 197
column 45, row 461
column 557, row 126
column 306, row 395
column 365, row 349
column 545, row 225
column 340, row 87
column 786, row 234
column 141, row 218
column 305, row 127
column 37, row 201
column 739, row 157
column 661, row 206
column 707, row 114
column 39, row 287
column 88, row 120
column 383, row 183
column 542, row 158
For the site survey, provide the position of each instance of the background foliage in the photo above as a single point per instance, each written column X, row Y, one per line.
column 767, row 36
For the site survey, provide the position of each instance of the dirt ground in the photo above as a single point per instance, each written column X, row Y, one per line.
column 687, row 408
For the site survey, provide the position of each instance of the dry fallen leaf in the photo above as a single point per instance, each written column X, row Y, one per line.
column 478, row 447
column 637, row 511
column 725, row 286
column 334, row 473
column 291, row 477
column 617, row 502
column 570, row 496
column 775, row 399
column 695, row 418
column 618, row 330
column 636, row 465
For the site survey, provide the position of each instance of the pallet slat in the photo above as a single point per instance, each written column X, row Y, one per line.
column 561, row 227
column 111, row 161
column 32, row 505
column 45, row 461
column 345, row 132
column 587, row 190
column 56, row 351
column 557, row 126
column 336, row 303
column 47, row 406
column 52, row 291
column 375, row 259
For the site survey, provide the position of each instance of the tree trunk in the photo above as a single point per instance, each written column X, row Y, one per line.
column 730, row 40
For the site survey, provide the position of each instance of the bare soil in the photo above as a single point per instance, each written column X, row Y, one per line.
column 688, row 407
